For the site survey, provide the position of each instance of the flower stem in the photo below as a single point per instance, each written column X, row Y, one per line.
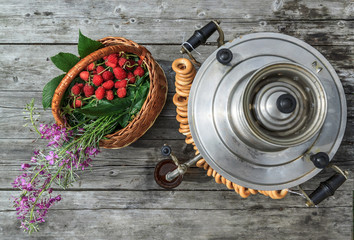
column 45, row 188
column 31, row 109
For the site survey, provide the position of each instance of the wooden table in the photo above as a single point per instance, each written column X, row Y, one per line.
column 119, row 199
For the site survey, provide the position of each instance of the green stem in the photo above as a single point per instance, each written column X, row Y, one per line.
column 31, row 117
column 45, row 188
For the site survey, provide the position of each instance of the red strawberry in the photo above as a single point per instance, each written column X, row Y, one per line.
column 140, row 62
column 81, row 85
column 112, row 60
column 76, row 90
column 91, row 66
column 112, row 65
column 97, row 80
column 105, row 57
column 122, row 92
column 122, row 61
column 88, row 90
column 84, row 75
column 100, row 69
column 107, row 75
column 78, row 103
column 130, row 64
column 139, row 71
column 108, row 85
column 109, row 95
column 100, row 92
column 121, row 84
column 119, row 73
column 131, row 77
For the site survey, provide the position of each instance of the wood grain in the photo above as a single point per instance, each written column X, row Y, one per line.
column 166, row 21
column 118, row 198
column 292, row 223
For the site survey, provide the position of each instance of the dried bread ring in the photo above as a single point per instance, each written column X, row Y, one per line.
column 180, row 101
column 182, row 66
column 200, row 163
column 189, row 139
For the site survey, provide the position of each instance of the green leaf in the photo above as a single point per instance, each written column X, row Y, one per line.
column 48, row 91
column 65, row 61
column 141, row 79
column 124, row 120
column 105, row 107
column 140, row 97
column 87, row 45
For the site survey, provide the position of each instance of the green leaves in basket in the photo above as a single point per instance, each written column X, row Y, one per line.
column 105, row 107
column 65, row 61
column 48, row 91
column 87, row 45
column 139, row 98
column 126, row 107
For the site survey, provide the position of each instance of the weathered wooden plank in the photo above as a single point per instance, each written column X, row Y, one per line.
column 29, row 67
column 241, row 10
column 113, row 175
column 12, row 123
column 40, row 22
column 289, row 223
column 21, row 149
column 198, row 200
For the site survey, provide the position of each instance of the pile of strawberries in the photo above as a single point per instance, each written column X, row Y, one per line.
column 107, row 78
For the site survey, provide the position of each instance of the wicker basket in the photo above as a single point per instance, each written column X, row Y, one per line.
column 152, row 106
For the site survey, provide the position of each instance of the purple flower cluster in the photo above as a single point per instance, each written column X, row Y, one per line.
column 35, row 181
column 55, row 134
column 79, row 158
column 33, row 188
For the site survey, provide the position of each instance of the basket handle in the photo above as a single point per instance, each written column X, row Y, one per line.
column 112, row 41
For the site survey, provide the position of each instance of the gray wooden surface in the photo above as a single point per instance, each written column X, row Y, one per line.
column 119, row 199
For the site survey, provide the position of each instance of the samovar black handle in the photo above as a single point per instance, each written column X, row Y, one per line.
column 200, row 36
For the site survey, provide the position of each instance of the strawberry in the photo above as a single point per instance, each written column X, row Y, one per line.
column 108, row 85
column 100, row 70
column 107, row 75
column 121, row 84
column 112, row 60
column 112, row 65
column 122, row 92
column 81, row 85
column 78, row 103
column 91, row 66
column 88, row 90
column 139, row 71
column 109, row 95
column 100, row 92
column 84, row 75
column 122, row 61
column 97, row 80
column 105, row 57
column 76, row 90
column 131, row 77
column 130, row 64
column 119, row 73
column 140, row 62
